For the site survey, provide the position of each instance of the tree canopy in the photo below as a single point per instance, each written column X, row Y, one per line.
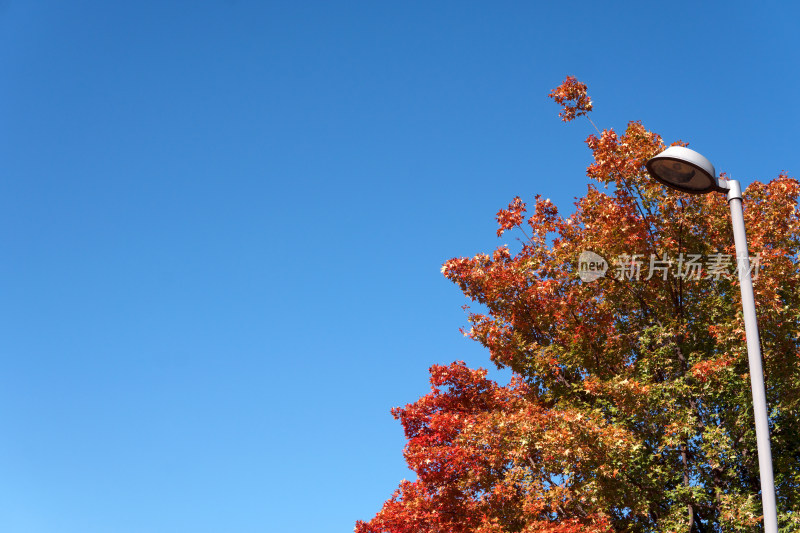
column 630, row 408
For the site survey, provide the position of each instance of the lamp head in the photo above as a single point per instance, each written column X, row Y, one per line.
column 684, row 170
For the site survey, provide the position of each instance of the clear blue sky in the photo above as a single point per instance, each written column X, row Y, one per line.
column 222, row 225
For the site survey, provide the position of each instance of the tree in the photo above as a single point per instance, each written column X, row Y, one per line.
column 630, row 409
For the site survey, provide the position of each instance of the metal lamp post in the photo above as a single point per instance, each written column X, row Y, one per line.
column 686, row 170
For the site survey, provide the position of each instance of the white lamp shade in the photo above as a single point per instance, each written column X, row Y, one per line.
column 684, row 169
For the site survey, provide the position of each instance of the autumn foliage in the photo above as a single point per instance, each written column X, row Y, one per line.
column 630, row 409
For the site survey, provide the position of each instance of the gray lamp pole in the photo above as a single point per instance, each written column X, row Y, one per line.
column 686, row 170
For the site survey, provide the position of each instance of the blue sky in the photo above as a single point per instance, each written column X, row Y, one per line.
column 223, row 222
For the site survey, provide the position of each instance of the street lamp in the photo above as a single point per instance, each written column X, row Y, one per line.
column 686, row 170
